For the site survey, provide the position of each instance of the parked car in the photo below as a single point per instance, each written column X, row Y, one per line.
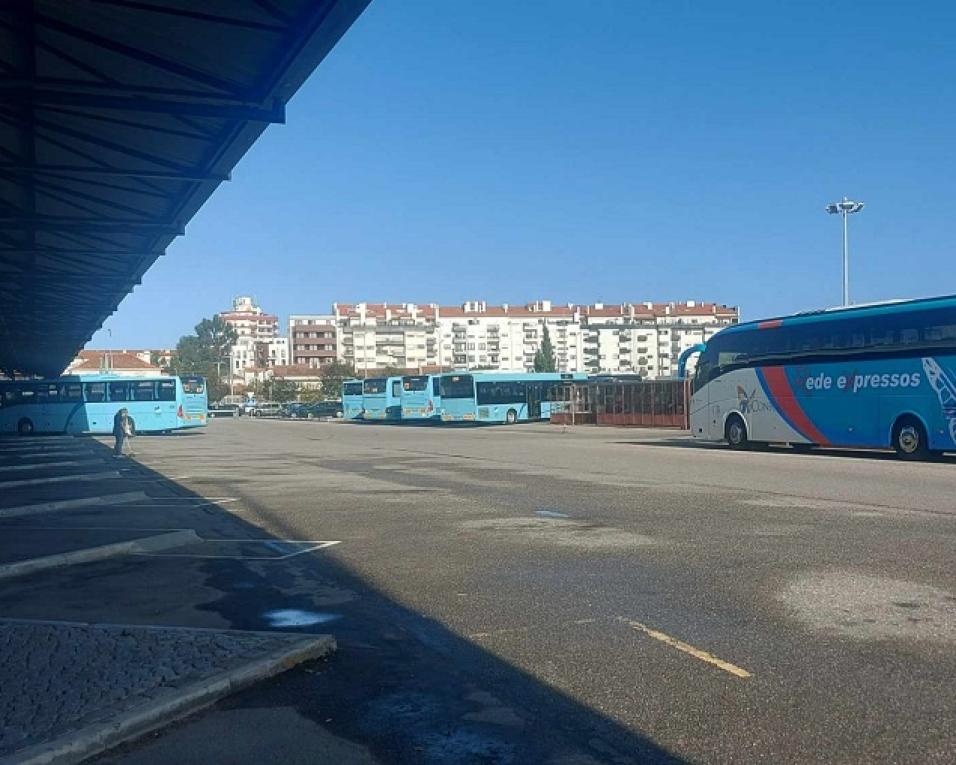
column 325, row 409
column 295, row 410
column 266, row 409
column 224, row 410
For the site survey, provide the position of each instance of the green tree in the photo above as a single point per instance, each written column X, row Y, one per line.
column 282, row 390
column 333, row 375
column 206, row 353
column 157, row 361
column 544, row 356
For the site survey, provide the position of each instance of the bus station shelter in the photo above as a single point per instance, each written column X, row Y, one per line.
column 647, row 403
column 118, row 120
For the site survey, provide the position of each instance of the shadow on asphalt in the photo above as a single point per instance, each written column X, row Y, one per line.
column 401, row 684
column 816, row 452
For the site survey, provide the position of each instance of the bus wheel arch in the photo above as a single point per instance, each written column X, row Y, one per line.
column 25, row 426
column 511, row 417
column 735, row 432
column 909, row 438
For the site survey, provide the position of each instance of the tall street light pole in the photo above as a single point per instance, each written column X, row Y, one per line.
column 846, row 207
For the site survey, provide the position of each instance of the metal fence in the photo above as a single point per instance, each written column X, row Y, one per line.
column 647, row 403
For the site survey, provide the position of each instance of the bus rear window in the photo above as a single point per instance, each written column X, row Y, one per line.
column 352, row 389
column 457, row 386
column 166, row 390
column 415, row 383
column 194, row 385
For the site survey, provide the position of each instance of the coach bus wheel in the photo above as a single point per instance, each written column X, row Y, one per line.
column 909, row 439
column 25, row 427
column 736, row 432
column 511, row 417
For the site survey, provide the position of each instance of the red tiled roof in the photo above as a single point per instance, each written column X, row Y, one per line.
column 93, row 360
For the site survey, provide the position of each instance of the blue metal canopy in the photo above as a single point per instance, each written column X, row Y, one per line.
column 118, row 119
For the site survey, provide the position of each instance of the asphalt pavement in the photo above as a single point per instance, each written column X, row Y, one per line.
column 539, row 594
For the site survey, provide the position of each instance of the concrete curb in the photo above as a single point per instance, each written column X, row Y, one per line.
column 173, row 705
column 143, row 544
column 70, row 504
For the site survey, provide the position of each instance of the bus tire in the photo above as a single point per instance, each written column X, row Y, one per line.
column 735, row 432
column 909, row 439
column 25, row 427
column 511, row 417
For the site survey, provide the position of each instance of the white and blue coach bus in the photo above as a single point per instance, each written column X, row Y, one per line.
column 870, row 376
column 88, row 403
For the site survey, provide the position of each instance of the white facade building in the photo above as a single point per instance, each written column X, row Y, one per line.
column 258, row 342
column 636, row 338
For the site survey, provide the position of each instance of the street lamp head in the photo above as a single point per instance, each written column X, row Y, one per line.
column 845, row 207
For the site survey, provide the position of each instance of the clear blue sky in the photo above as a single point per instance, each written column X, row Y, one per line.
column 449, row 150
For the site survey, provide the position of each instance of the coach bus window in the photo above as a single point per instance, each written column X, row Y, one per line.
column 143, row 391
column 94, row 392
column 943, row 333
column 375, row 386
column 71, row 392
column 352, row 389
column 166, row 390
column 47, row 393
column 396, row 388
column 501, row 393
column 119, row 391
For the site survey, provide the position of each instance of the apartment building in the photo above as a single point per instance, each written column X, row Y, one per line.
column 648, row 338
column 258, row 343
column 638, row 338
column 312, row 340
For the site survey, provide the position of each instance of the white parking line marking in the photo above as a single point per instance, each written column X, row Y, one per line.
column 72, row 504
column 61, row 479
column 53, row 452
column 195, row 502
column 38, row 465
column 687, row 648
column 147, row 479
column 316, row 545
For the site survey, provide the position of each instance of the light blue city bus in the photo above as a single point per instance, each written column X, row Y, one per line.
column 382, row 398
column 500, row 397
column 871, row 376
column 421, row 398
column 352, row 400
column 88, row 403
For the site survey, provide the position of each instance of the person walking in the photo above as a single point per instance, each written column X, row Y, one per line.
column 129, row 426
column 122, row 431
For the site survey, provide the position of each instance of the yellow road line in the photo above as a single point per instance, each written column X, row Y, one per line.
column 687, row 648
